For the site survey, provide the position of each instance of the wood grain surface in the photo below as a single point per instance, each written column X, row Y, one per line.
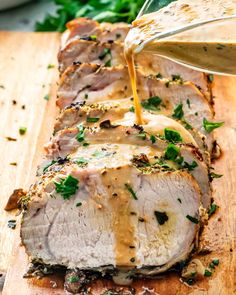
column 23, row 61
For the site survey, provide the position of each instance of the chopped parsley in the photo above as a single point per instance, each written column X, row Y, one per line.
column 80, row 135
column 152, row 104
column 92, row 120
column 152, row 138
column 212, row 209
column 67, row 187
column 78, row 204
column 210, row 78
column 105, row 52
column 172, row 135
column 171, row 152
column 131, row 109
column 216, row 261
column 192, row 219
column 108, row 63
column 93, row 37
column 22, row 130
column 207, row 273
column 50, row 66
column 159, row 76
column 210, row 126
column 177, row 78
column 46, row 97
column 129, row 188
column 161, row 217
column 178, row 112
column 186, row 125
column 215, row 175
column 189, row 166
column 142, row 135
column 73, row 279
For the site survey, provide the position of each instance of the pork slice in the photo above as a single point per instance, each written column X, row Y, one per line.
column 103, row 225
column 85, row 51
column 66, row 142
column 94, row 84
column 122, row 114
column 85, row 28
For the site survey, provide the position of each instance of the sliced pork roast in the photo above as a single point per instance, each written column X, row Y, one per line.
column 121, row 218
column 123, row 114
column 67, row 142
column 114, row 197
column 112, row 54
column 92, row 84
column 89, row 29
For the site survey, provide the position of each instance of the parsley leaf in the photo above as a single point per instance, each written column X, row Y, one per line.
column 92, row 120
column 100, row 10
column 171, row 152
column 129, row 188
column 22, row 130
column 212, row 209
column 192, row 219
column 189, row 166
column 172, row 135
column 178, row 112
column 67, row 187
column 80, row 135
column 210, row 126
column 152, row 104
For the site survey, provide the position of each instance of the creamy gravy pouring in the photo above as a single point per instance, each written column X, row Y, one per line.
column 211, row 47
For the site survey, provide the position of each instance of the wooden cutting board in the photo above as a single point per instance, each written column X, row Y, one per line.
column 25, row 77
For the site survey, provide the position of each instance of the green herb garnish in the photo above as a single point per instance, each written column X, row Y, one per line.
column 210, row 126
column 215, row 175
column 142, row 135
column 50, row 66
column 78, row 204
column 46, row 97
column 192, row 219
column 189, row 166
column 131, row 109
column 129, row 188
column 73, row 279
column 93, row 37
column 92, row 120
column 172, row 135
column 171, row 152
column 178, row 112
column 152, row 138
column 210, row 78
column 152, row 104
column 22, row 130
column 67, row 187
column 207, row 273
column 105, row 52
column 212, row 209
column 80, row 135
column 161, row 217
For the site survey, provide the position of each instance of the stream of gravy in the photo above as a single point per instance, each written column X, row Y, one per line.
column 211, row 47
